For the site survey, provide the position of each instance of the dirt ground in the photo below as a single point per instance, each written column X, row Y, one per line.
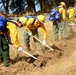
column 60, row 62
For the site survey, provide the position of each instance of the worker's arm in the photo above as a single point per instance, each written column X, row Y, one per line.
column 71, row 14
column 29, row 22
column 14, row 34
column 63, row 13
column 44, row 31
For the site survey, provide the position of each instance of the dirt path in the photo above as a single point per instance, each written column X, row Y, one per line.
column 61, row 62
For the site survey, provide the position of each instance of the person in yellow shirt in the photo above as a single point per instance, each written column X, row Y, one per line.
column 71, row 11
column 60, row 23
column 70, row 20
column 31, row 28
column 12, row 33
column 4, row 47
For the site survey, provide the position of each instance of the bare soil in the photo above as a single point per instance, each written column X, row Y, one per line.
column 60, row 62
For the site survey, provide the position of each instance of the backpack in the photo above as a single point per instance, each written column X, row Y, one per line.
column 54, row 15
column 3, row 22
column 27, row 17
column 10, row 20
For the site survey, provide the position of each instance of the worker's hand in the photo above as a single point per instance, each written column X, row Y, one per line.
column 20, row 49
column 30, row 33
column 44, row 42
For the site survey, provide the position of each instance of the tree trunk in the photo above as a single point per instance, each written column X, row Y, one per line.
column 7, row 2
column 5, row 7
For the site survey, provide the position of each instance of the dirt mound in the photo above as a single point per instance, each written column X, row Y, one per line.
column 28, row 66
column 60, row 62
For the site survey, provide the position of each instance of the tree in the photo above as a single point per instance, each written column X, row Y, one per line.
column 5, row 4
column 31, row 5
column 18, row 6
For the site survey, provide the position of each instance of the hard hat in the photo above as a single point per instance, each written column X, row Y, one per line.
column 41, row 18
column 62, row 3
column 23, row 20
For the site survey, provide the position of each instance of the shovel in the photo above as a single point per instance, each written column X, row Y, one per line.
column 42, row 43
column 42, row 62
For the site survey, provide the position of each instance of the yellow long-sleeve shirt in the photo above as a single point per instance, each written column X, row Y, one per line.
column 71, row 14
column 30, row 27
column 63, row 13
column 13, row 33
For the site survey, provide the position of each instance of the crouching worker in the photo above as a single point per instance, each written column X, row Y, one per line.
column 4, row 47
column 12, row 34
column 31, row 28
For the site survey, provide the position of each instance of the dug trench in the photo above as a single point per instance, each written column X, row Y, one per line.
column 62, row 61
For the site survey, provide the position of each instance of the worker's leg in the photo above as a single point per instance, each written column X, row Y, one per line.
column 55, row 30
column 5, row 52
column 1, row 58
column 39, row 47
column 27, row 39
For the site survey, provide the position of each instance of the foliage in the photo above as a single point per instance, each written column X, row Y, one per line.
column 18, row 6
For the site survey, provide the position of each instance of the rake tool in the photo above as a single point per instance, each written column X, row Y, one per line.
column 42, row 61
column 42, row 43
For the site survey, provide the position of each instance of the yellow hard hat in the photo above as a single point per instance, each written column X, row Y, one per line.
column 62, row 3
column 41, row 18
column 23, row 20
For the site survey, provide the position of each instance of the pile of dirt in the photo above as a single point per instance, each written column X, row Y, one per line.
column 60, row 62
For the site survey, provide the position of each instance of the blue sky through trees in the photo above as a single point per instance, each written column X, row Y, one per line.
column 37, row 6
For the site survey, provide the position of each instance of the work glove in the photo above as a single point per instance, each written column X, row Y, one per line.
column 44, row 42
column 20, row 49
column 30, row 33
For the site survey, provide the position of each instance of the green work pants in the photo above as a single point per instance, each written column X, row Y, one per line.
column 68, row 28
column 59, row 25
column 27, row 39
column 4, row 50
